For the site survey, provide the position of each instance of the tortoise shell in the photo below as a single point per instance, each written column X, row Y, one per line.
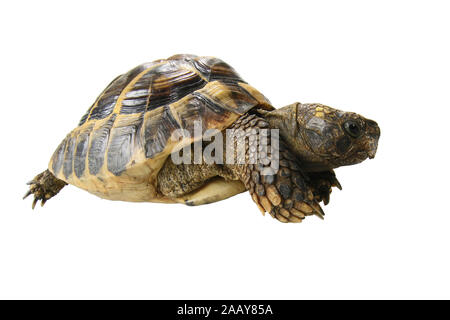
column 123, row 140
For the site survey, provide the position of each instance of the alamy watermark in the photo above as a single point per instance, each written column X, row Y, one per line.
column 232, row 146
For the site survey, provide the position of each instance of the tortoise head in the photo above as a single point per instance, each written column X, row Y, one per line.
column 326, row 138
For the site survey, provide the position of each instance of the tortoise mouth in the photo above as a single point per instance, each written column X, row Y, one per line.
column 362, row 155
column 373, row 146
column 354, row 158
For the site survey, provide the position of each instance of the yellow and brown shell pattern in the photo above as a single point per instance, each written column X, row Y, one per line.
column 124, row 138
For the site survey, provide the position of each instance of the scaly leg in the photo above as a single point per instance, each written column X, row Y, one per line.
column 44, row 186
column 178, row 180
column 285, row 193
column 197, row 184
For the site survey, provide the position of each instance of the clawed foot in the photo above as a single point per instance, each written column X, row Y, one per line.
column 322, row 183
column 285, row 196
column 296, row 211
column 44, row 186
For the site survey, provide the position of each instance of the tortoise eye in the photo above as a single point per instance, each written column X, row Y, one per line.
column 352, row 128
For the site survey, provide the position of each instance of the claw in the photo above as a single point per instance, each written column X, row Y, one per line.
column 326, row 198
column 43, row 202
column 34, row 203
column 336, row 183
column 27, row 194
column 318, row 210
column 32, row 182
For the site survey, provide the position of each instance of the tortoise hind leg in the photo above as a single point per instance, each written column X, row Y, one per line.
column 44, row 186
column 196, row 184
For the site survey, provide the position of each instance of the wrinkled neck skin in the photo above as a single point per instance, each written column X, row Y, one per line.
column 285, row 119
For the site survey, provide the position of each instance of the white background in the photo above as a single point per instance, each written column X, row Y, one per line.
column 386, row 235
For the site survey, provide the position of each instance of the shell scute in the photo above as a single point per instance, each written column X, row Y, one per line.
column 120, row 148
column 68, row 156
column 79, row 162
column 172, row 85
column 99, row 142
column 215, row 69
column 158, row 127
column 58, row 157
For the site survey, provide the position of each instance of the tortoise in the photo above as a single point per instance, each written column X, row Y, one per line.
column 123, row 147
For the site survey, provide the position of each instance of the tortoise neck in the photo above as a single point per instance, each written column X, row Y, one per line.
column 284, row 119
column 288, row 120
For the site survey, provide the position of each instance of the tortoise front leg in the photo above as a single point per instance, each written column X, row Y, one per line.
column 285, row 193
column 322, row 183
column 44, row 186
